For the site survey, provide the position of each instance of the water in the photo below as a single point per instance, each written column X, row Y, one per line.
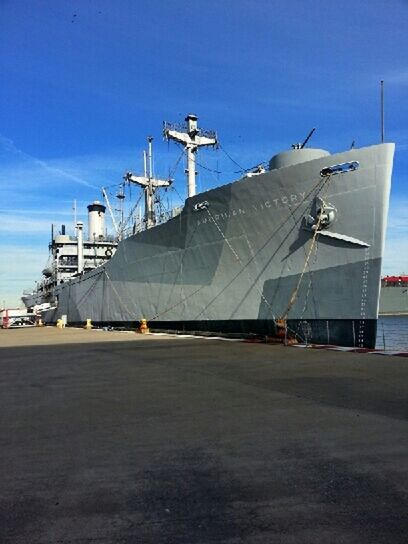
column 393, row 330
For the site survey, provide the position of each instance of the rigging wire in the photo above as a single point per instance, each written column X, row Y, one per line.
column 179, row 271
column 243, row 266
column 314, row 188
column 238, row 259
column 231, row 159
column 251, row 168
column 132, row 210
column 174, row 188
column 117, row 294
column 217, row 171
column 282, row 224
column 183, row 152
column 173, row 171
column 208, row 169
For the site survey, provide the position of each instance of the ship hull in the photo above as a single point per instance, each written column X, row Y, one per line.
column 245, row 256
column 394, row 300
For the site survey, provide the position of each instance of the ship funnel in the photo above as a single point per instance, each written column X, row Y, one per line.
column 96, row 221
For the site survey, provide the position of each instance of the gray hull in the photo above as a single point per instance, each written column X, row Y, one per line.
column 394, row 300
column 236, row 264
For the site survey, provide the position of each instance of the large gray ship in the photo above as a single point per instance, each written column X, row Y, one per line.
column 297, row 245
column 394, row 295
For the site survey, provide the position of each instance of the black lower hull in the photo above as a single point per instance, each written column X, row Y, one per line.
column 341, row 332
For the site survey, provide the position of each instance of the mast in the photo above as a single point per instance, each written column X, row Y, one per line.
column 74, row 209
column 191, row 137
column 382, row 111
column 121, row 197
column 149, row 184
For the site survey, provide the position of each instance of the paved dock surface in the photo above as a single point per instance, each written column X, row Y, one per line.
column 120, row 438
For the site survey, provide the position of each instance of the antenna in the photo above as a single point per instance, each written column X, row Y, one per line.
column 307, row 138
column 74, row 208
column 382, row 110
column 149, row 152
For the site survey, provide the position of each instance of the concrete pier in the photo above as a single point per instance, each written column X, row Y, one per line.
column 112, row 437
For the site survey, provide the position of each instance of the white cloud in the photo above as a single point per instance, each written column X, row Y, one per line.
column 395, row 256
column 396, row 246
column 16, row 224
column 8, row 146
column 397, row 77
column 398, row 220
column 20, row 267
column 27, row 221
column 25, row 211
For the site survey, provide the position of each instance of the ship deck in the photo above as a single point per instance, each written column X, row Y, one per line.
column 117, row 437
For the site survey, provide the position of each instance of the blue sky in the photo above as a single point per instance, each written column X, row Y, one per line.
column 84, row 82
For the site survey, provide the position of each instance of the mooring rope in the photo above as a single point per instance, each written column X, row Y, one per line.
column 277, row 230
column 313, row 242
column 244, row 266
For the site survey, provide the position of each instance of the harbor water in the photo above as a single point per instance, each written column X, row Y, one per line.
column 392, row 333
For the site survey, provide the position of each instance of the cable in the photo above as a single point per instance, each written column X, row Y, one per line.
column 243, row 266
column 172, row 172
column 197, row 162
column 231, row 159
column 274, row 233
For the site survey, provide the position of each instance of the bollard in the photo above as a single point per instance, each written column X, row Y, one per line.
column 39, row 322
column 88, row 325
column 6, row 320
column 143, row 328
column 59, row 324
column 280, row 328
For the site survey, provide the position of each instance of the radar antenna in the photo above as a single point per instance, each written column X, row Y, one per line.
column 191, row 137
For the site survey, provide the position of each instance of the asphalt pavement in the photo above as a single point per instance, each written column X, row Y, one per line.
column 109, row 437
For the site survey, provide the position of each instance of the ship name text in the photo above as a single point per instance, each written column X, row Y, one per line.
column 258, row 207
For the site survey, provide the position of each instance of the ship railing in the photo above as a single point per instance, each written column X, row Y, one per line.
column 161, row 218
column 165, row 216
column 394, row 283
column 182, row 127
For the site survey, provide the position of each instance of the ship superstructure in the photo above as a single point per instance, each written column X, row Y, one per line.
column 73, row 256
column 297, row 244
